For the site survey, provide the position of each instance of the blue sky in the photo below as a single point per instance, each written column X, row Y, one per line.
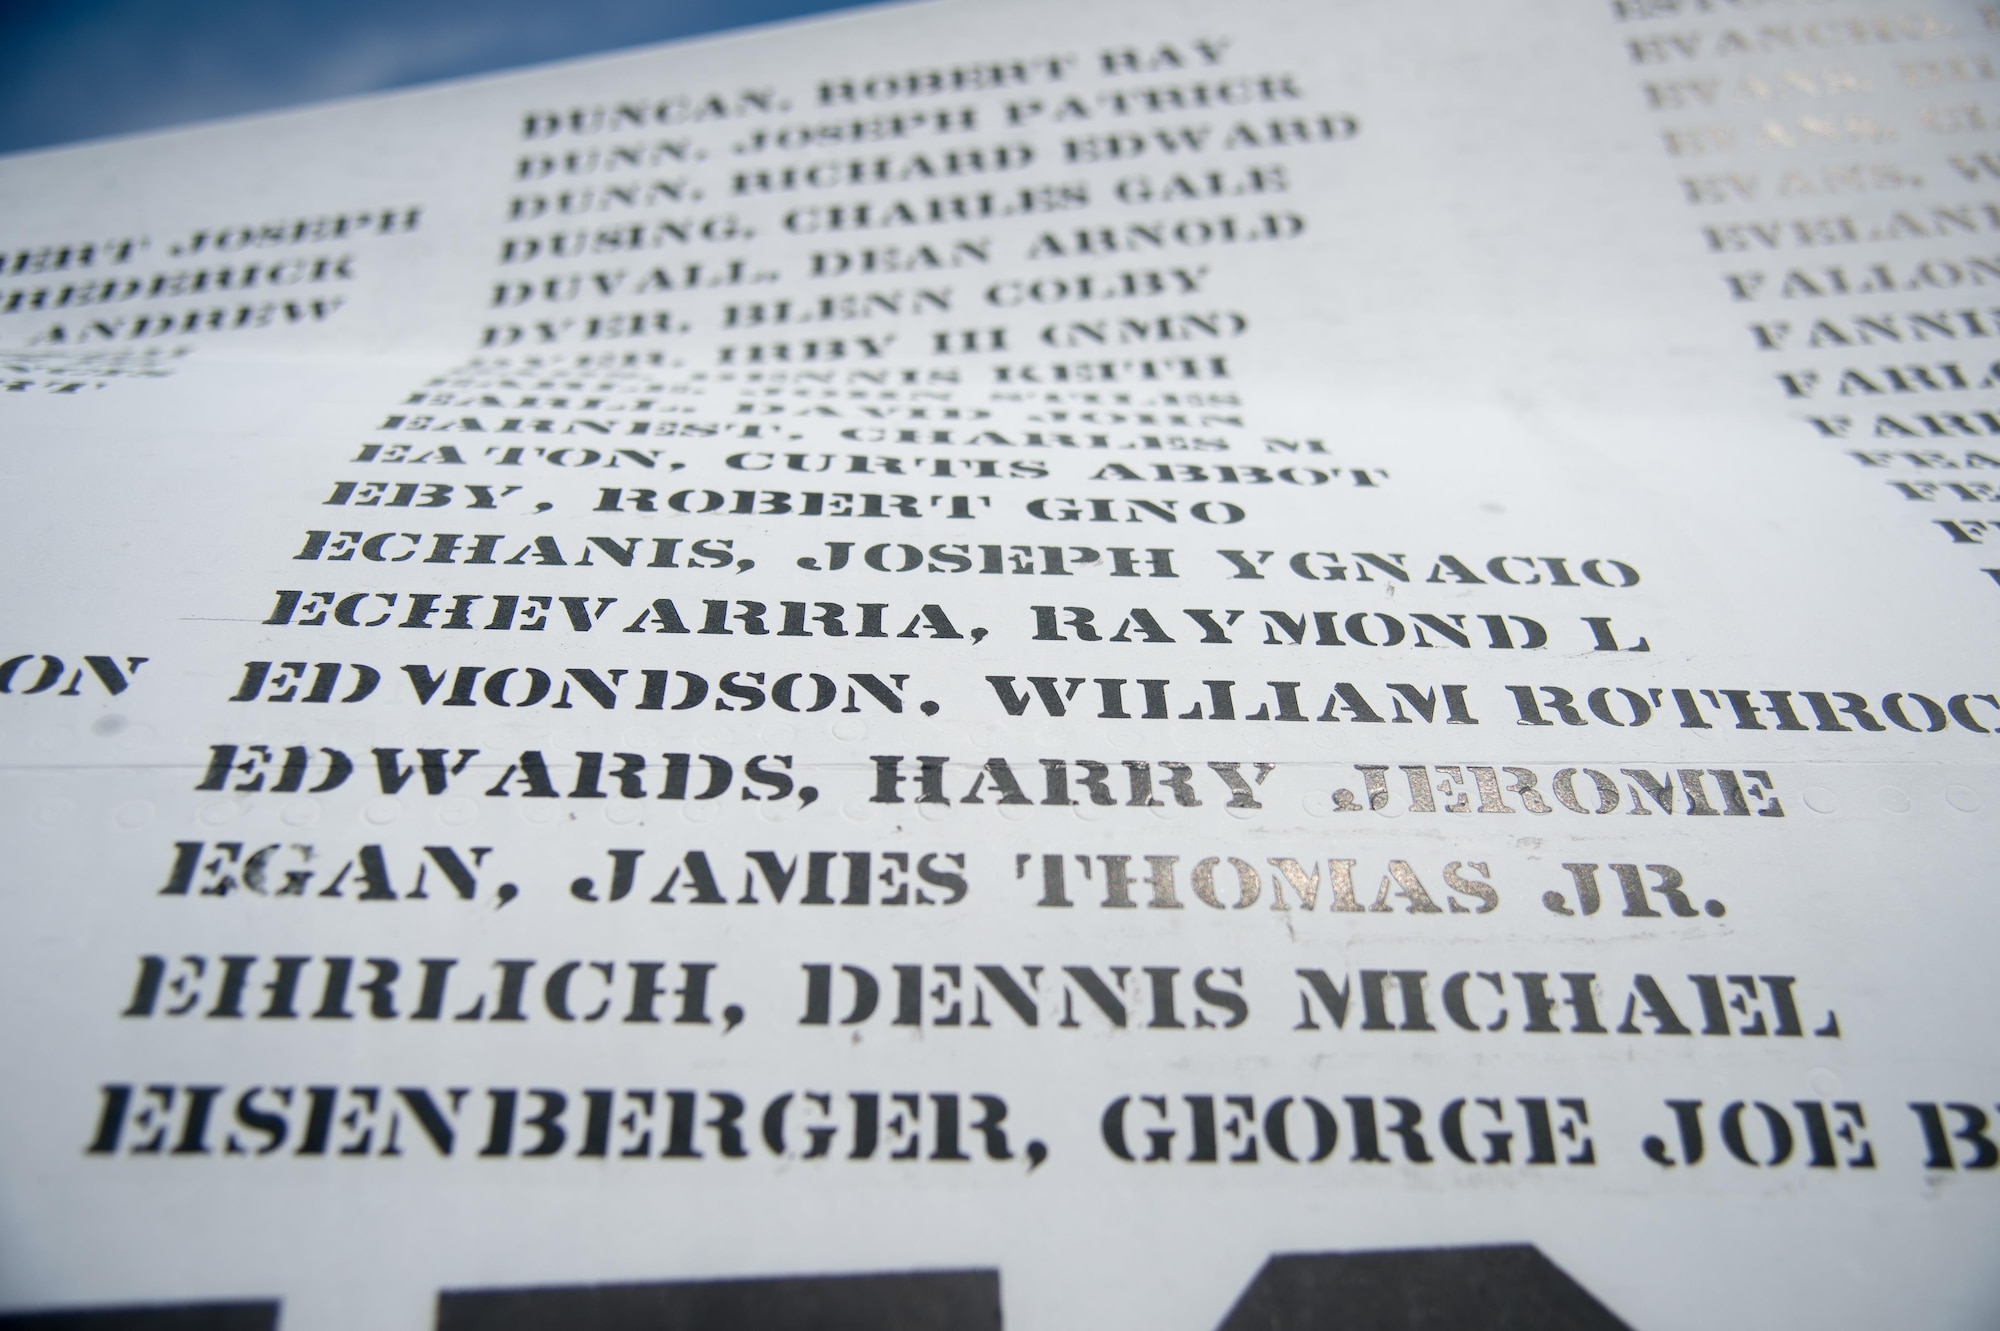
column 85, row 69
